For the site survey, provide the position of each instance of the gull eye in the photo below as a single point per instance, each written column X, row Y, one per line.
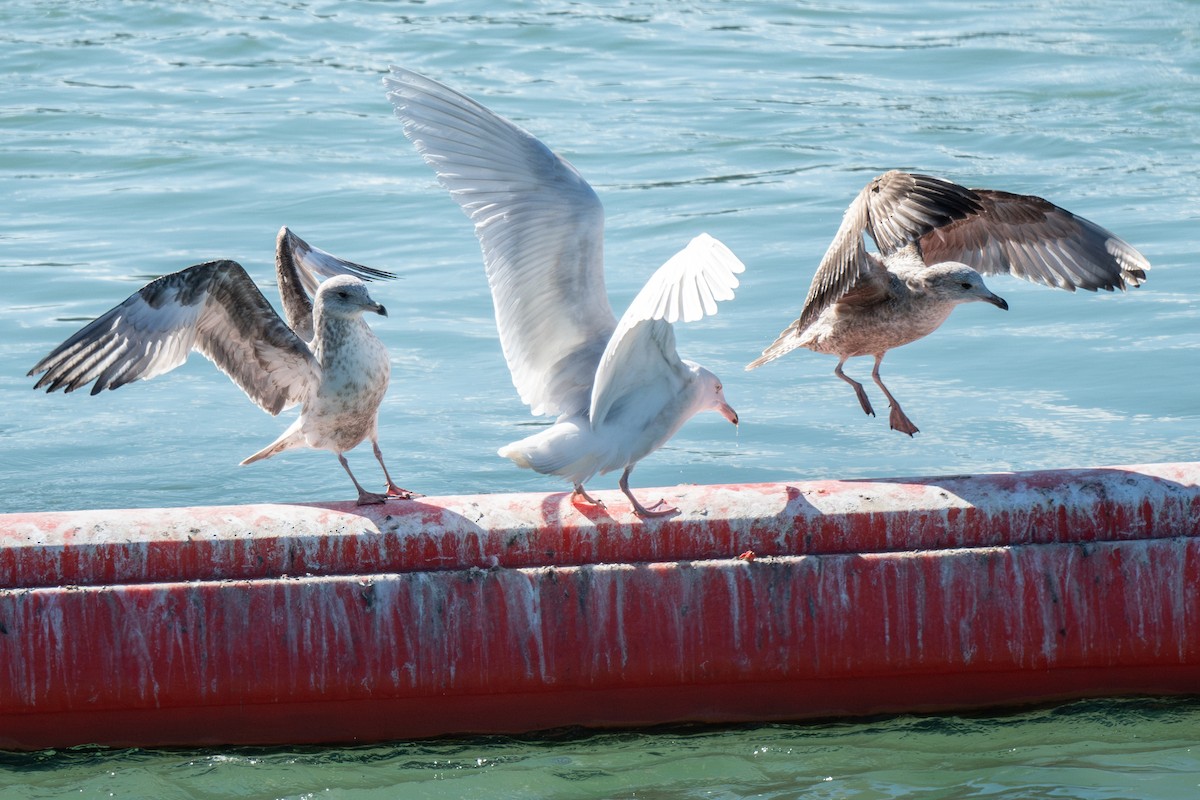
column 966, row 285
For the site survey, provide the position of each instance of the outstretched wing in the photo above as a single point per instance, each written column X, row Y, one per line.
column 541, row 228
column 299, row 267
column 1036, row 240
column 214, row 308
column 685, row 288
column 894, row 209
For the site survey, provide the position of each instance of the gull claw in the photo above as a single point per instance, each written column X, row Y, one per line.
column 370, row 498
column 900, row 422
column 654, row 510
column 580, row 494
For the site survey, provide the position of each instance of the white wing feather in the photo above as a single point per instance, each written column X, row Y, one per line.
column 685, row 288
column 541, row 228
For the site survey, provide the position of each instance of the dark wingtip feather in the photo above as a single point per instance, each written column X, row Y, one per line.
column 362, row 271
column 371, row 273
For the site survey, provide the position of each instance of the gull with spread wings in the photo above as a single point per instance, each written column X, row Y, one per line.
column 936, row 239
column 618, row 388
column 325, row 358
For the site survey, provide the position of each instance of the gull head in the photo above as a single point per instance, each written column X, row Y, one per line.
column 711, row 394
column 346, row 296
column 953, row 282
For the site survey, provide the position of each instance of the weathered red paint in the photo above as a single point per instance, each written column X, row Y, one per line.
column 508, row 613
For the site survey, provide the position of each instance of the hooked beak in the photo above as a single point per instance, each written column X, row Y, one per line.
column 998, row 301
column 726, row 411
column 381, row 311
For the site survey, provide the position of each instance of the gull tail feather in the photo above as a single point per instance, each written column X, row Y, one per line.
column 564, row 449
column 289, row 439
column 786, row 343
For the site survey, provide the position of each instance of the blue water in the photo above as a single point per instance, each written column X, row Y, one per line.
column 140, row 138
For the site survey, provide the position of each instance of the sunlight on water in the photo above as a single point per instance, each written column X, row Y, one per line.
column 189, row 133
column 141, row 139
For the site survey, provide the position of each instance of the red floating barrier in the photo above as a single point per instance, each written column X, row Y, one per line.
column 273, row 624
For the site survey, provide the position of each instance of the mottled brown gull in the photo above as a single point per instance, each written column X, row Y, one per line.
column 934, row 239
column 324, row 358
column 619, row 388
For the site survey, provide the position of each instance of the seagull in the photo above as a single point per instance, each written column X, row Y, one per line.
column 324, row 358
column 619, row 388
column 935, row 238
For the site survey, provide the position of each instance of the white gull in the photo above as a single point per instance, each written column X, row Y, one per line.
column 619, row 388
column 324, row 358
column 935, row 238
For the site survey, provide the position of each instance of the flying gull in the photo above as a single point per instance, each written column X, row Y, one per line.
column 619, row 388
column 935, row 238
column 325, row 358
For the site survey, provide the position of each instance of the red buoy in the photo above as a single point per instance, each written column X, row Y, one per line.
column 271, row 624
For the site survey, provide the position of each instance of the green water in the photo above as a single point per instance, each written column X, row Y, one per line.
column 1131, row 749
column 139, row 138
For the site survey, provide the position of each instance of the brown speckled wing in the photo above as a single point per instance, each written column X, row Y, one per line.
column 894, row 209
column 214, row 308
column 1034, row 239
column 298, row 267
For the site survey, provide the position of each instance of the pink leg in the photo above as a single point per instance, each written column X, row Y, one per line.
column 638, row 508
column 365, row 498
column 393, row 491
column 580, row 494
column 898, row 419
column 863, row 400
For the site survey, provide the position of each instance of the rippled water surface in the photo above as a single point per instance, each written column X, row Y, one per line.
column 1110, row 750
column 139, row 138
